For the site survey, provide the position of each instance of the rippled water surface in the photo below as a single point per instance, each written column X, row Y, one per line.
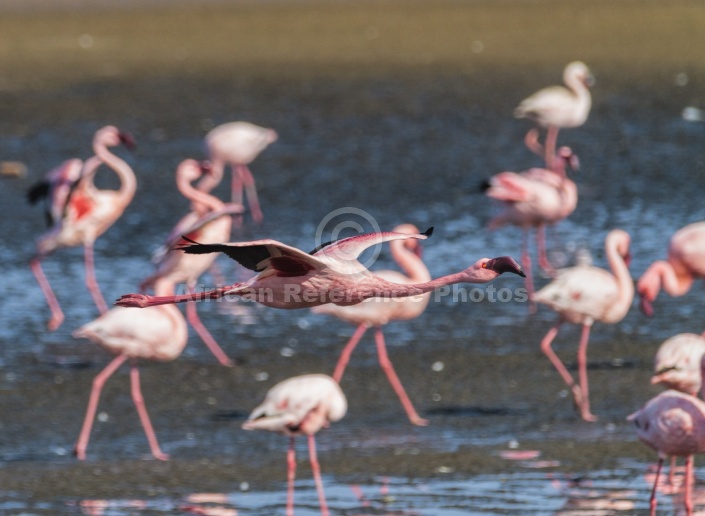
column 396, row 114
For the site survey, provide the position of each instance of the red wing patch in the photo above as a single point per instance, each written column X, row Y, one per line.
column 81, row 205
column 575, row 296
column 290, row 267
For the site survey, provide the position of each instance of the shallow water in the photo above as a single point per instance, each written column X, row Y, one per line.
column 390, row 134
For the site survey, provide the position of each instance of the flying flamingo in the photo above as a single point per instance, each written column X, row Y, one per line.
column 159, row 333
column 301, row 405
column 210, row 221
column 685, row 264
column 80, row 212
column 534, row 198
column 583, row 295
column 237, row 144
column 379, row 311
column 557, row 107
column 673, row 424
column 289, row 278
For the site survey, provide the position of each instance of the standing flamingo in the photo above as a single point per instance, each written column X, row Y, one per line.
column 87, row 213
column 685, row 264
column 583, row 295
column 289, row 278
column 237, row 144
column 301, row 405
column 557, row 107
column 379, row 311
column 159, row 333
column 673, row 424
column 210, row 222
column 534, row 198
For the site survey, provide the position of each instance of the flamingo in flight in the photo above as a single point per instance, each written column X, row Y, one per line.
column 301, row 405
column 158, row 333
column 379, row 311
column 685, row 264
column 559, row 107
column 288, row 278
column 583, row 295
column 237, row 144
column 673, row 424
column 80, row 213
column 210, row 221
column 534, row 198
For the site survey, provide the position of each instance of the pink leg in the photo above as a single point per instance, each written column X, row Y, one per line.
column 57, row 316
column 526, row 265
column 98, row 383
column 394, row 380
column 652, row 499
column 142, row 411
column 144, row 300
column 347, row 351
column 316, row 468
column 195, row 322
column 290, row 476
column 583, row 376
column 91, row 282
column 672, row 472
column 541, row 248
column 236, row 193
column 567, row 378
column 249, row 182
column 551, row 139
column 689, row 485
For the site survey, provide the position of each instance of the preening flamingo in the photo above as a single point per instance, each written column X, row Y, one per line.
column 159, row 333
column 379, row 311
column 534, row 198
column 583, row 295
column 81, row 213
column 237, row 144
column 301, row 405
column 558, row 107
column 673, row 424
column 685, row 264
column 677, row 363
column 288, row 278
column 209, row 222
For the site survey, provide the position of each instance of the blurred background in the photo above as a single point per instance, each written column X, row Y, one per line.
column 396, row 108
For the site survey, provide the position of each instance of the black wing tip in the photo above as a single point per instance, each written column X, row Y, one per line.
column 38, row 191
column 484, row 185
column 428, row 232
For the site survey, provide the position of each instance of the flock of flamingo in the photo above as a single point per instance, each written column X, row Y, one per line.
column 331, row 280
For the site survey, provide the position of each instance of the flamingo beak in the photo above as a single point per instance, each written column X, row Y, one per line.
column 206, row 167
column 589, row 80
column 646, row 307
column 127, row 140
column 628, row 259
column 504, row 264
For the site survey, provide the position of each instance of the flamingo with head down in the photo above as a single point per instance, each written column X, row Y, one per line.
column 301, row 405
column 380, row 311
column 288, row 278
column 559, row 107
column 80, row 212
column 209, row 222
column 583, row 295
column 685, row 264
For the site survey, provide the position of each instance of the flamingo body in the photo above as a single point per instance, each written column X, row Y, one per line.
column 677, row 363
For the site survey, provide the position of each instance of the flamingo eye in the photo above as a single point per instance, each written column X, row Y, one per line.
column 484, row 265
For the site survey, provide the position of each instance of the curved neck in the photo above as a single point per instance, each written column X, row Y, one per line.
column 409, row 262
column 666, row 276
column 625, row 283
column 202, row 201
column 128, row 183
column 578, row 88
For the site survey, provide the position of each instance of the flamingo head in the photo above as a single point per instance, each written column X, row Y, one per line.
column 206, row 167
column 569, row 158
column 127, row 140
column 648, row 288
column 581, row 72
column 502, row 264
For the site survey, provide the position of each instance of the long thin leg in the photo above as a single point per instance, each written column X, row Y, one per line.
column 290, row 477
column 98, row 383
column 583, row 375
column 144, row 300
column 195, row 322
column 347, row 351
column 652, row 499
column 672, row 471
column 689, row 485
column 249, row 182
column 57, row 316
column 91, row 282
column 541, row 249
column 316, row 468
column 551, row 139
column 394, row 380
column 526, row 265
column 142, row 412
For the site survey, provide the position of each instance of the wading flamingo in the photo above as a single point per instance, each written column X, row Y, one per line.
column 237, row 144
column 289, row 278
column 534, row 198
column 673, row 424
column 209, row 222
column 159, row 333
column 583, row 295
column 301, row 405
column 379, row 311
column 685, row 264
column 558, row 107
column 85, row 212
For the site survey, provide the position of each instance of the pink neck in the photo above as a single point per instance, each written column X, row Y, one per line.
column 625, row 283
column 663, row 273
column 409, row 262
column 202, row 201
column 128, row 183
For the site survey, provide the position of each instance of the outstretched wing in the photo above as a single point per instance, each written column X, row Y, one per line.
column 352, row 247
column 190, row 226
